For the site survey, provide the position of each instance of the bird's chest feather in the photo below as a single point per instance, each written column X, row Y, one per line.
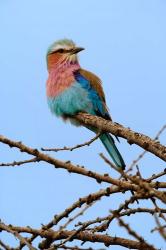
column 58, row 81
column 65, row 95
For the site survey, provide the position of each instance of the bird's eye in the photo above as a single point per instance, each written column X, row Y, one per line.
column 60, row 50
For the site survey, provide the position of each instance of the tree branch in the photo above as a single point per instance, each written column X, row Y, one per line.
column 83, row 236
column 132, row 137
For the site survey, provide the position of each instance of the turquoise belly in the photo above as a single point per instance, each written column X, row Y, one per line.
column 71, row 101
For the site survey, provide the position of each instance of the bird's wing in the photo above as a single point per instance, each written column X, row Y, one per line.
column 94, row 81
column 93, row 84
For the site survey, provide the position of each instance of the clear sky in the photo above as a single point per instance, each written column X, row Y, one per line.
column 125, row 45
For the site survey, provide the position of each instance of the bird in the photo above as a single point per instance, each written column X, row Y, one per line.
column 71, row 89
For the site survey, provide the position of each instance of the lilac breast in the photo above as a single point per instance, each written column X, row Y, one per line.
column 60, row 78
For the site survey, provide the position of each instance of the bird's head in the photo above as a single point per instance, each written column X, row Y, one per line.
column 62, row 51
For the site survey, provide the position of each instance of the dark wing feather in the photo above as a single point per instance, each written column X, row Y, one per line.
column 96, row 84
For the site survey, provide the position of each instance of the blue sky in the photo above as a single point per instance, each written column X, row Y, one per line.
column 125, row 46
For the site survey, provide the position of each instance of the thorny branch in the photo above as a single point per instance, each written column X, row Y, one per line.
column 83, row 236
column 57, row 234
column 88, row 143
column 140, row 156
column 132, row 137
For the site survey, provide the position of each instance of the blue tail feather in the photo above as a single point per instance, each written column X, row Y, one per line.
column 110, row 146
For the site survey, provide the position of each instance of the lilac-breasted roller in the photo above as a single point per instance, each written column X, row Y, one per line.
column 71, row 89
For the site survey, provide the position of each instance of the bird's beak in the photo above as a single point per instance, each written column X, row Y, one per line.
column 76, row 50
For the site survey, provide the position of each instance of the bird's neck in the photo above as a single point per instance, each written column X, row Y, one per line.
column 66, row 66
column 61, row 77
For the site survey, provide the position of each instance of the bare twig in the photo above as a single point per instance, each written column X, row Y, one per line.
column 127, row 212
column 156, row 176
column 75, row 147
column 133, row 233
column 104, row 226
column 158, row 229
column 76, row 216
column 140, row 156
column 6, row 247
column 69, row 221
column 18, row 163
column 160, row 132
column 161, row 229
column 11, row 230
column 134, row 162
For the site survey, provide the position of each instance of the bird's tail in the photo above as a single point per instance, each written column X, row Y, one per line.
column 110, row 146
